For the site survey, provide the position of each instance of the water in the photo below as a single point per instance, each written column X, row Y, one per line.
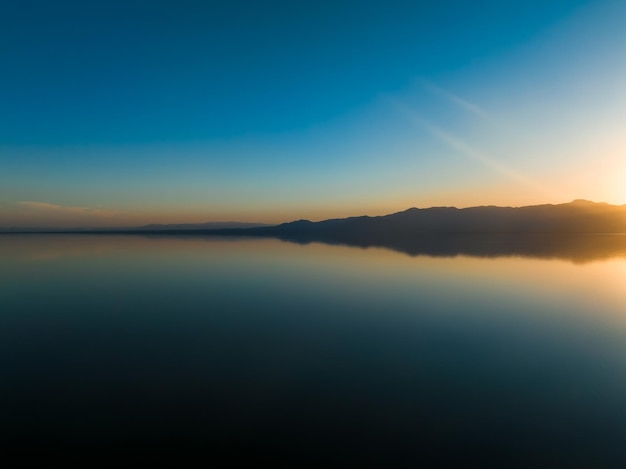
column 311, row 354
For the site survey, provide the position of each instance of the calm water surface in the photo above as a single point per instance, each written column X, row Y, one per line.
column 312, row 354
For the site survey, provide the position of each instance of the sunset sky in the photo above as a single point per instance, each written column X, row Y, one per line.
column 117, row 113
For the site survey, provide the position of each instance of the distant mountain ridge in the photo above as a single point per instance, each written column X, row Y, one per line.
column 579, row 216
column 211, row 225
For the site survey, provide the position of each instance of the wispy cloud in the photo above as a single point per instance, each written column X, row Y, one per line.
column 469, row 151
column 457, row 100
column 46, row 206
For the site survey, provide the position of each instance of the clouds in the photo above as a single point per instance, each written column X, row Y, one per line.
column 66, row 209
column 483, row 139
column 456, row 100
column 43, row 214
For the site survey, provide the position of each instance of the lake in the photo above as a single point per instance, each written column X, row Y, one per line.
column 311, row 354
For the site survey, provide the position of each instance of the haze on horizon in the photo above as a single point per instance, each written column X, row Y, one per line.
column 127, row 113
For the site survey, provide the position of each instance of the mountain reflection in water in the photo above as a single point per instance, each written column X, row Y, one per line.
column 578, row 248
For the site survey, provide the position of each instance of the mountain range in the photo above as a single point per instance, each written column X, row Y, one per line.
column 579, row 216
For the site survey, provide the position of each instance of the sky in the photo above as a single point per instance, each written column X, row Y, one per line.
column 122, row 113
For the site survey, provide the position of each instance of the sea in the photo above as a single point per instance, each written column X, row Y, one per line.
column 306, row 354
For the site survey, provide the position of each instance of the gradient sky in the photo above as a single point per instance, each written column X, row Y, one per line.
column 118, row 113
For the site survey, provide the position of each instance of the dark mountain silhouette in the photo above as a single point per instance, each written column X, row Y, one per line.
column 579, row 216
column 212, row 225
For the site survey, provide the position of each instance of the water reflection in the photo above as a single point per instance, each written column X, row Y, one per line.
column 258, row 350
column 578, row 248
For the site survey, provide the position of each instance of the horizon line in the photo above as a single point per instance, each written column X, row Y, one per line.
column 68, row 229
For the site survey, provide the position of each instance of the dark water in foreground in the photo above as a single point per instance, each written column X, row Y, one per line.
column 263, row 350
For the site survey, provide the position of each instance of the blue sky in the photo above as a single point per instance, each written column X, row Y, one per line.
column 117, row 113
